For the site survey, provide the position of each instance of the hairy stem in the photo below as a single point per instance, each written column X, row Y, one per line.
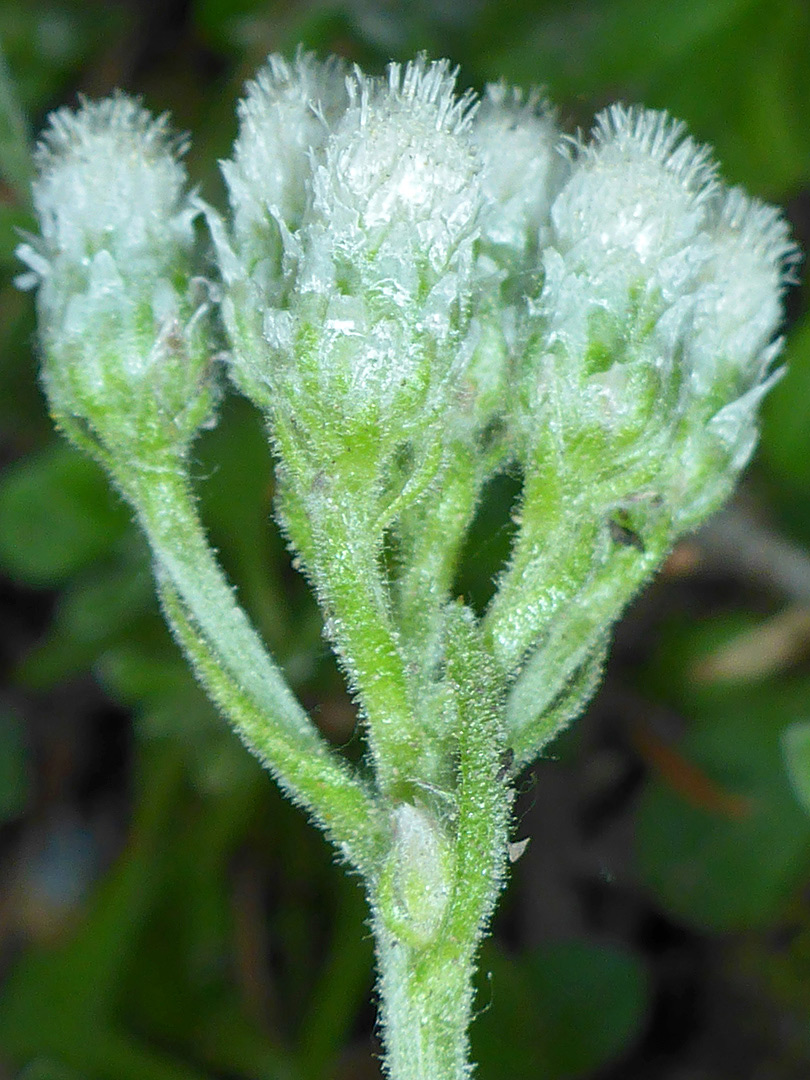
column 426, row 992
column 236, row 670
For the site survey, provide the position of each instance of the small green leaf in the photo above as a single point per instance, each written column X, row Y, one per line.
column 560, row 1011
column 57, row 515
column 796, row 751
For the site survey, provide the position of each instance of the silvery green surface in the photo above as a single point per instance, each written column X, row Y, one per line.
column 420, row 289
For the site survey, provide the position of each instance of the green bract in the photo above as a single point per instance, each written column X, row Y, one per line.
column 419, row 290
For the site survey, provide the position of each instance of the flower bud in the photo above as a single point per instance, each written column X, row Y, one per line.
column 348, row 302
column 730, row 349
column 627, row 234
column 121, row 324
column 283, row 121
column 661, row 295
column 517, row 138
column 649, row 348
column 399, row 170
column 521, row 169
column 387, row 252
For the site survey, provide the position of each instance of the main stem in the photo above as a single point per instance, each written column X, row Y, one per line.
column 426, row 1008
column 426, row 990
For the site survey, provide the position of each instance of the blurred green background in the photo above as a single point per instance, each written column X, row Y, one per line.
column 164, row 915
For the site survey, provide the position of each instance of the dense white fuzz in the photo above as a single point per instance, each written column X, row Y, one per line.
column 739, row 304
column 517, row 137
column 121, row 323
column 369, row 245
column 639, row 194
column 729, row 348
column 283, row 120
column 109, row 180
column 400, row 166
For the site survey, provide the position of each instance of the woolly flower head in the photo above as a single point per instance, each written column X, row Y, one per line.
column 638, row 195
column 283, row 120
column 517, row 138
column 109, row 180
column 750, row 259
column 121, row 327
column 400, row 161
column 661, row 298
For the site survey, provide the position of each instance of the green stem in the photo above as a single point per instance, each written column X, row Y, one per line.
column 427, row 993
column 166, row 511
column 333, row 519
column 235, row 668
column 539, row 708
column 353, row 593
column 570, row 656
column 566, row 543
column 546, row 569
column 433, row 534
column 311, row 774
column 426, row 1006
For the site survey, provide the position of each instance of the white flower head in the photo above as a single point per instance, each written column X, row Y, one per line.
column 739, row 301
column 284, row 121
column 517, row 137
column 401, row 162
column 121, row 322
column 638, row 196
column 730, row 348
column 110, row 180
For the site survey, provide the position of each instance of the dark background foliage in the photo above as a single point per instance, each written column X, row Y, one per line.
column 164, row 915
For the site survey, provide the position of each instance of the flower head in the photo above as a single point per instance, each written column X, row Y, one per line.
column 120, row 321
column 749, row 262
column 399, row 162
column 633, row 212
column 109, row 179
column 370, row 246
column 654, row 329
column 517, row 138
column 284, row 119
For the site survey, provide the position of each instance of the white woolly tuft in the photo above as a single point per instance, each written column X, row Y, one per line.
column 763, row 231
column 110, row 180
column 401, row 159
column 641, row 190
column 517, row 136
column 739, row 302
column 635, row 133
column 283, row 120
column 432, row 87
